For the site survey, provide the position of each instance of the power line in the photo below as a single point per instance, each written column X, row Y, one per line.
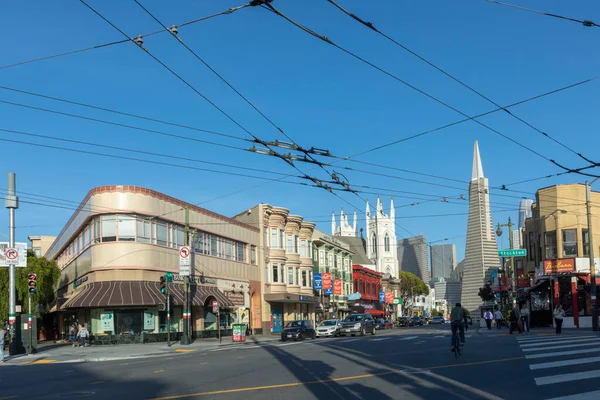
column 437, row 100
column 103, row 121
column 174, row 34
column 586, row 23
column 431, row 64
column 143, row 117
column 229, row 11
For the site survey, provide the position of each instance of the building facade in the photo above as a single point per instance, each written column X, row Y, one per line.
column 335, row 257
column 443, row 260
column 40, row 244
column 286, row 263
column 381, row 239
column 481, row 249
column 122, row 239
column 557, row 266
column 412, row 256
column 367, row 286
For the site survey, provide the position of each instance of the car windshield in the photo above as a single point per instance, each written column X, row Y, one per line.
column 294, row 324
column 354, row 318
column 379, row 321
column 329, row 323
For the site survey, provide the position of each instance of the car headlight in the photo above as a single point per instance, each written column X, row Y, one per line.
column 357, row 325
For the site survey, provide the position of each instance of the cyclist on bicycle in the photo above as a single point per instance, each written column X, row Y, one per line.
column 458, row 321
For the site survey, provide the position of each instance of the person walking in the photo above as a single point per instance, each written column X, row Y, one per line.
column 513, row 321
column 498, row 317
column 525, row 318
column 488, row 316
column 559, row 314
column 2, row 334
column 82, row 334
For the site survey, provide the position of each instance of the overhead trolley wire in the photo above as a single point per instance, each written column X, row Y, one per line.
column 585, row 22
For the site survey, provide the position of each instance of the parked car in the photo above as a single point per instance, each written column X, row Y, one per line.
column 358, row 324
column 381, row 323
column 330, row 327
column 437, row 320
column 298, row 330
column 403, row 321
column 416, row 321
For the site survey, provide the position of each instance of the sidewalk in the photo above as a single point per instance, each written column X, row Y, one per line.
column 65, row 353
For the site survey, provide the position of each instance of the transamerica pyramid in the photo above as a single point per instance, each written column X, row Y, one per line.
column 481, row 250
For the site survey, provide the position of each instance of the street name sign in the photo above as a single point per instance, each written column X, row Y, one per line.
column 512, row 253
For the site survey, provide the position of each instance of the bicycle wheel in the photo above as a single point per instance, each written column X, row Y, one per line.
column 457, row 347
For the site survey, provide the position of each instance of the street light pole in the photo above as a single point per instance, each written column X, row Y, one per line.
column 588, row 189
column 512, row 259
column 12, row 203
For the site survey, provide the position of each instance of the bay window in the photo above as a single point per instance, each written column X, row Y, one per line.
column 569, row 242
column 126, row 228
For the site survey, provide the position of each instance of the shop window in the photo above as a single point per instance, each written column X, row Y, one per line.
column 585, row 235
column 126, row 228
column 531, row 247
column 569, row 242
column 550, row 243
column 128, row 322
column 109, row 228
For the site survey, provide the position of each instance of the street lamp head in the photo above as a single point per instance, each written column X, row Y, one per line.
column 499, row 230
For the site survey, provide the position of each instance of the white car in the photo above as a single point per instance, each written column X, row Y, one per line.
column 329, row 328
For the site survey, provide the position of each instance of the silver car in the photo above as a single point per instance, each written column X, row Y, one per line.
column 358, row 324
column 328, row 328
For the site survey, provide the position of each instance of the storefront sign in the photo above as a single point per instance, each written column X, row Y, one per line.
column 79, row 281
column 107, row 321
column 317, row 282
column 326, row 280
column 366, row 306
column 559, row 266
column 389, row 297
column 148, row 321
column 236, row 298
column 337, row 287
column 195, row 279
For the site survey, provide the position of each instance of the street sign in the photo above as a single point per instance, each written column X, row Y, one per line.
column 382, row 297
column 397, row 301
column 512, row 253
column 185, row 260
column 215, row 307
column 328, row 292
column 13, row 256
column 317, row 282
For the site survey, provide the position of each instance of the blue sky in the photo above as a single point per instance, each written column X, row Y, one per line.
column 318, row 95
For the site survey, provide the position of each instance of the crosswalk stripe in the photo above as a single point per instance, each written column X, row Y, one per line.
column 562, row 353
column 571, row 341
column 564, row 363
column 349, row 340
column 566, row 346
column 378, row 339
column 547, row 380
column 553, row 339
column 580, row 396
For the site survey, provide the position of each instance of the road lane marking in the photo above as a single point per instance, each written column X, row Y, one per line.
column 183, row 351
column 562, row 353
column 575, row 376
column 556, row 339
column 566, row 346
column 341, row 379
column 9, row 397
column 409, row 338
column 580, row 396
column 528, row 345
column 158, row 371
column 96, row 382
column 564, row 363
column 379, row 339
column 349, row 340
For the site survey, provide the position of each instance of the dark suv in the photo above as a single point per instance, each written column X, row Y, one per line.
column 358, row 324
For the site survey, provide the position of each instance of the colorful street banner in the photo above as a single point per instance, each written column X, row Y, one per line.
column 317, row 282
column 326, row 280
column 389, row 297
column 337, row 287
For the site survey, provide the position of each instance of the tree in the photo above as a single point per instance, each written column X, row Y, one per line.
column 48, row 276
column 410, row 286
column 486, row 293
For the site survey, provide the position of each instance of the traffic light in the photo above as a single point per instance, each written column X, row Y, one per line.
column 163, row 285
column 514, row 301
column 169, row 276
column 32, row 283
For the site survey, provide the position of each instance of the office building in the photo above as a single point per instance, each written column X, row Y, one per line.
column 412, row 256
column 525, row 211
column 443, row 260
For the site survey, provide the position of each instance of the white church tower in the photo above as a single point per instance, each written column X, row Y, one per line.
column 345, row 229
column 381, row 239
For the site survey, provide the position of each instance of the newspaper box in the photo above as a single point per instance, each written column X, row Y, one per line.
column 239, row 332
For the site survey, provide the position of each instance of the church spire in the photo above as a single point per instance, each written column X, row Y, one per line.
column 392, row 211
column 354, row 224
column 379, row 206
column 333, row 222
column 477, row 172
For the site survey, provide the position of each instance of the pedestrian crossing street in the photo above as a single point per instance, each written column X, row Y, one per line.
column 563, row 360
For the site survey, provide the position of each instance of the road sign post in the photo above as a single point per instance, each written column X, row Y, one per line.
column 12, row 203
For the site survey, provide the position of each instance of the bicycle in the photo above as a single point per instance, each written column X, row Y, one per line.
column 457, row 345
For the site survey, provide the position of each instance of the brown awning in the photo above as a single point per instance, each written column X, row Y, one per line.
column 199, row 295
column 140, row 293
column 115, row 294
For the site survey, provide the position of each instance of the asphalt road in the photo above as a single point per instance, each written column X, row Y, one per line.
column 407, row 363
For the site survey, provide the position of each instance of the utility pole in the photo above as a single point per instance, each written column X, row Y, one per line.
column 588, row 189
column 168, row 315
column 185, row 338
column 12, row 203
column 512, row 259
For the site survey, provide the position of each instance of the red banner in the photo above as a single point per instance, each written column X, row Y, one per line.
column 337, row 287
column 326, row 276
column 389, row 297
